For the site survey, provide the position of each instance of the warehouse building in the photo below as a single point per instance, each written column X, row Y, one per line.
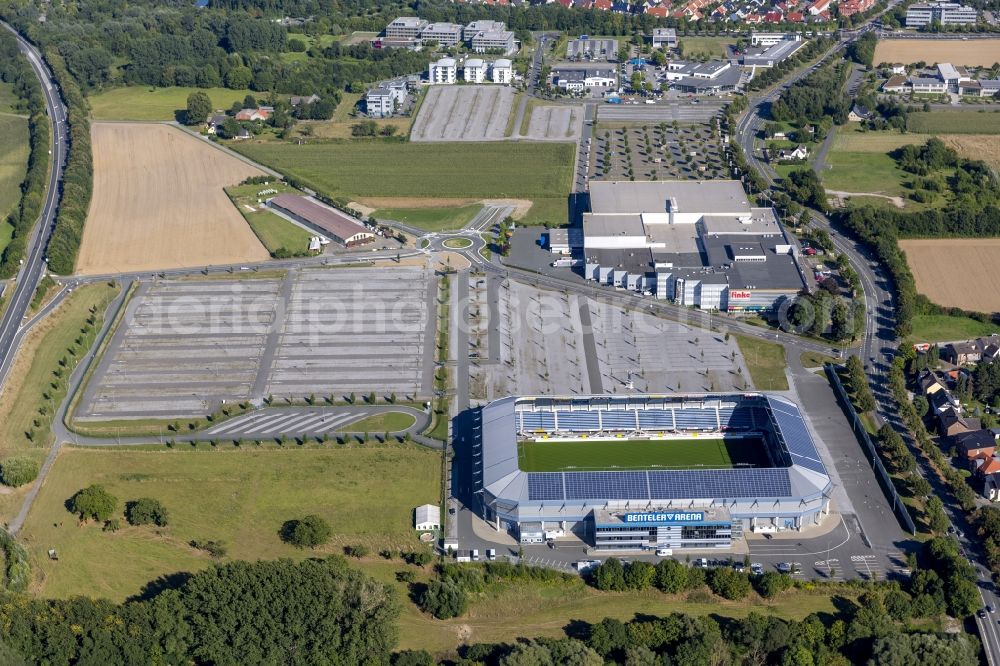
column 332, row 223
column 776, row 480
column 697, row 243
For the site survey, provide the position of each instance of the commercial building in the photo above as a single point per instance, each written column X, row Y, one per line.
column 697, row 243
column 405, row 27
column 926, row 85
column 592, row 49
column 501, row 41
column 443, row 71
column 445, row 34
column 664, row 38
column 332, row 223
column 714, row 76
column 578, row 79
column 945, row 13
column 474, row 28
column 385, row 100
column 502, row 71
column 766, row 39
column 780, row 483
column 772, row 54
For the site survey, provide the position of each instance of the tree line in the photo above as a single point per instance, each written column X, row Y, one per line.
column 15, row 70
column 267, row 612
column 817, row 95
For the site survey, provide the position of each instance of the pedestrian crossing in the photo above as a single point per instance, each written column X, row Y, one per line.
column 269, row 423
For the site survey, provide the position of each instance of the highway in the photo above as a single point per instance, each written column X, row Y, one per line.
column 878, row 347
column 33, row 265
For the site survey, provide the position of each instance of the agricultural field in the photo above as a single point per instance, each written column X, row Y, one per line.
column 707, row 452
column 145, row 103
column 976, row 287
column 14, row 151
column 983, row 147
column 159, row 203
column 238, row 497
column 373, row 169
column 946, row 328
column 954, row 122
column 973, row 52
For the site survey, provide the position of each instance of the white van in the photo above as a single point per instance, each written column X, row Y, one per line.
column 664, row 552
column 475, row 555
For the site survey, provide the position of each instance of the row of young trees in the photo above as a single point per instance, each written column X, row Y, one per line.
column 15, row 70
column 265, row 612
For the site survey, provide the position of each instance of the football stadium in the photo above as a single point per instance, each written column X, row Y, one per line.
column 679, row 471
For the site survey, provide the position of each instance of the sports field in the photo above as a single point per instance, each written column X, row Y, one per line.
column 982, row 52
column 159, row 203
column 975, row 287
column 147, row 103
column 625, row 454
column 392, row 169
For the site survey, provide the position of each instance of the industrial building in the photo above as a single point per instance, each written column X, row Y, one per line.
column 769, row 55
column 697, row 243
column 332, row 223
column 945, row 13
column 693, row 507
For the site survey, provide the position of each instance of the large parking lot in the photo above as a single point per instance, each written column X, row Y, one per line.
column 464, row 113
column 536, row 341
column 184, row 347
column 555, row 123
column 663, row 151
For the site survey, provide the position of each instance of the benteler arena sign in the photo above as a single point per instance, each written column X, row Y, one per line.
column 665, row 518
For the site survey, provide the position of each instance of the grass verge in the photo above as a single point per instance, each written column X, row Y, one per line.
column 14, row 152
column 766, row 363
column 239, row 497
column 384, row 422
column 943, row 328
column 430, row 219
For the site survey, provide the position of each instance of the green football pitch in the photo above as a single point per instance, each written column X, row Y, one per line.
column 625, row 454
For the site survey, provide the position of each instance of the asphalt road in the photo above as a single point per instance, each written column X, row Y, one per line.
column 33, row 266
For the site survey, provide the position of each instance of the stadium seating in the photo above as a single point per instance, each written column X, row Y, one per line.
column 697, row 419
column 618, row 420
column 578, row 421
column 656, row 419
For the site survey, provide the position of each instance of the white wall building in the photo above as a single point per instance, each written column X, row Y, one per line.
column 664, row 38
column 502, row 71
column 474, row 70
column 945, row 13
column 426, row 518
column 767, row 38
column 443, row 71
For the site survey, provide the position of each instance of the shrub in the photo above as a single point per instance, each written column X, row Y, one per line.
column 772, row 583
column 93, row 503
column 728, row 583
column 420, row 558
column 356, row 551
column 146, row 511
column 309, row 532
column 18, row 471
column 213, row 548
column 443, row 599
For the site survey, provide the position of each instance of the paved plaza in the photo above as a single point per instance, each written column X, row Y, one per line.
column 185, row 347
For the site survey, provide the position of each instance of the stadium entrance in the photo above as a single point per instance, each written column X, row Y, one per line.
column 700, row 529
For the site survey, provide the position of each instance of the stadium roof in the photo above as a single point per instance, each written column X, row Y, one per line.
column 805, row 477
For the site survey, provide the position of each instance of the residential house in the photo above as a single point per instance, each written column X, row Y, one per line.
column 384, row 101
column 818, row 7
column 975, row 444
column 991, row 486
column 215, row 122
column 963, row 353
column 952, row 423
column 800, row 152
column 296, row 100
column 852, row 7
column 247, row 115
column 858, row 113
column 502, row 71
column 474, row 70
column 444, row 71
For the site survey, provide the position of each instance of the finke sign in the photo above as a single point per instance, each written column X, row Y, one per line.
column 740, row 295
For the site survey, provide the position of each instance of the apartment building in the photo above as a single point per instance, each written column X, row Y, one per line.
column 474, row 70
column 502, row 71
column 444, row 71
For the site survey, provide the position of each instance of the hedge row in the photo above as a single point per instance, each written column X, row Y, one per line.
column 14, row 69
column 78, row 175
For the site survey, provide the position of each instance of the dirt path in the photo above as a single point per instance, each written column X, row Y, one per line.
column 898, row 202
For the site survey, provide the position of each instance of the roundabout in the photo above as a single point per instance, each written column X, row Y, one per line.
column 457, row 243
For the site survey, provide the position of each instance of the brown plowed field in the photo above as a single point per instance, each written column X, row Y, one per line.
column 960, row 272
column 982, row 52
column 158, row 203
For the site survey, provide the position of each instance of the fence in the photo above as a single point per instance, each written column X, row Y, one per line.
column 866, row 443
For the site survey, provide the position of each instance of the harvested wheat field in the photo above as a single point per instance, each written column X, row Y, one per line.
column 158, row 203
column 960, row 272
column 981, row 52
column 983, row 147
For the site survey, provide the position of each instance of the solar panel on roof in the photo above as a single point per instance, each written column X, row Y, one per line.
column 796, row 437
column 606, row 485
column 545, row 486
column 719, row 483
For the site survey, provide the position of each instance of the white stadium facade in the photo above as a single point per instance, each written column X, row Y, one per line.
column 635, row 508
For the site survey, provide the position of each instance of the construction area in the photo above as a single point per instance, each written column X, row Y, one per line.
column 186, row 347
column 657, row 152
column 529, row 341
column 464, row 113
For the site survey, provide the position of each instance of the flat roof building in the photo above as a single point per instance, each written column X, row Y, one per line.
column 592, row 49
column 444, row 71
column 502, row 71
column 664, row 38
column 945, row 13
column 445, row 34
column 405, row 27
column 772, row 54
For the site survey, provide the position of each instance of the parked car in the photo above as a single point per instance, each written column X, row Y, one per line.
column 757, row 568
column 475, row 555
column 783, row 567
column 491, row 554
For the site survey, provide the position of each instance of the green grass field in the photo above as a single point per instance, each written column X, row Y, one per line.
column 954, row 122
column 713, row 47
column 14, row 151
column 393, row 169
column 273, row 231
column 384, row 422
column 240, row 497
column 146, row 103
column 7, row 98
column 431, row 219
column 766, row 363
column 942, row 328
column 623, row 454
column 849, row 171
